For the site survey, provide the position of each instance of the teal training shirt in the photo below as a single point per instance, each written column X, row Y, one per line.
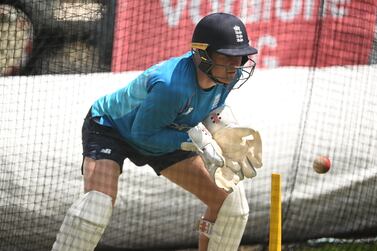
column 153, row 112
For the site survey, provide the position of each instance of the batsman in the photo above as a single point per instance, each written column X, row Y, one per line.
column 173, row 117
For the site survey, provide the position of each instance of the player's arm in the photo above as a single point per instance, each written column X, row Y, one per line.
column 151, row 127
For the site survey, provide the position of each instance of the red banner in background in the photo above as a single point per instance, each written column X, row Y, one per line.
column 286, row 33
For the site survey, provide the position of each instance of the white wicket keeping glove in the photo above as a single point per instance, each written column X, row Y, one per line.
column 242, row 146
column 242, row 149
column 204, row 145
column 211, row 153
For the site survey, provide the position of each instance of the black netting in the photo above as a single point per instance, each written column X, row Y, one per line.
column 314, row 92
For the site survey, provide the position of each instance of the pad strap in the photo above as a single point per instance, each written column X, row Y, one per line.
column 205, row 227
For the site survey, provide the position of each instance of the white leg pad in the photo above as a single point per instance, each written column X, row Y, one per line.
column 84, row 223
column 226, row 233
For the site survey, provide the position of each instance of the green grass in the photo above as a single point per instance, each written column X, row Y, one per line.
column 339, row 247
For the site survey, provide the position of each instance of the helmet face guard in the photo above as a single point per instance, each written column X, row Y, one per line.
column 242, row 72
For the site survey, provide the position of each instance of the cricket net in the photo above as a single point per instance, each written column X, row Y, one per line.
column 313, row 93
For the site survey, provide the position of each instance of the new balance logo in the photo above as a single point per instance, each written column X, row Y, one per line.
column 106, row 151
column 238, row 32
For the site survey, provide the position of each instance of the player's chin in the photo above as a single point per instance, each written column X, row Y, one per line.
column 224, row 81
column 230, row 77
column 226, row 78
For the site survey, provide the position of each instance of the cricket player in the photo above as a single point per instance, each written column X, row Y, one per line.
column 173, row 118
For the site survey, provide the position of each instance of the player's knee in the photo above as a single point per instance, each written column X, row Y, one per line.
column 111, row 194
column 94, row 207
column 102, row 176
column 218, row 199
column 234, row 201
column 214, row 207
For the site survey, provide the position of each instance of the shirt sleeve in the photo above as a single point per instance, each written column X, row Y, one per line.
column 150, row 129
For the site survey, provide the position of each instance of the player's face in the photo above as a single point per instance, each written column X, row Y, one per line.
column 225, row 66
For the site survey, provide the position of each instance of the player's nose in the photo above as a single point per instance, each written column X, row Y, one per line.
column 235, row 61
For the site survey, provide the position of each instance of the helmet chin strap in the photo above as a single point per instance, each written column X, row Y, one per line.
column 240, row 78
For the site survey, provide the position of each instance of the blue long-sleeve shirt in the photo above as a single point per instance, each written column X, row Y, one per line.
column 153, row 112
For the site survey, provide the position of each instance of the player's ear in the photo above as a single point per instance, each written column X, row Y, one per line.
column 204, row 62
column 196, row 57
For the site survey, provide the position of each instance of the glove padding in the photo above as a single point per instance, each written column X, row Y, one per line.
column 241, row 146
column 242, row 149
column 211, row 153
